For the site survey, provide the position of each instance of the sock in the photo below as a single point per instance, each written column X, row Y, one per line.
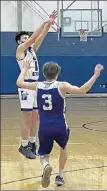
column 24, row 143
column 60, row 173
column 32, row 139
column 44, row 162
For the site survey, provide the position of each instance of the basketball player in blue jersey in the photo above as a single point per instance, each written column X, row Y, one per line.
column 27, row 47
column 51, row 106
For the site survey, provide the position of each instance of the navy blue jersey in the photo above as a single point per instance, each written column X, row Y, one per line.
column 51, row 105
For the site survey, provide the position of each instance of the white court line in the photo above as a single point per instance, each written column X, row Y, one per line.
column 9, row 118
column 67, row 144
column 9, row 145
column 76, row 143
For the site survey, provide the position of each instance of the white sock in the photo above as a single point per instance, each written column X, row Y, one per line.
column 44, row 162
column 32, row 139
column 60, row 173
column 24, row 143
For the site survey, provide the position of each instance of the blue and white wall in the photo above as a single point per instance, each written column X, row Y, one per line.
column 76, row 58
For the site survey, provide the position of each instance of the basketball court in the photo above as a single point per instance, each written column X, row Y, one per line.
column 86, row 168
column 87, row 156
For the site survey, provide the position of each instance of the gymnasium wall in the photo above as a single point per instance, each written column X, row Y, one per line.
column 76, row 58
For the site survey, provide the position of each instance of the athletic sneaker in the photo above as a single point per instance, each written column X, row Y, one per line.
column 59, row 181
column 46, row 176
column 27, row 152
column 33, row 147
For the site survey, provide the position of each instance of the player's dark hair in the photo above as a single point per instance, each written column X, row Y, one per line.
column 51, row 70
column 19, row 34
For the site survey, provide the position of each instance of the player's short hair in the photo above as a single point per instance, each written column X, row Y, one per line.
column 19, row 34
column 51, row 70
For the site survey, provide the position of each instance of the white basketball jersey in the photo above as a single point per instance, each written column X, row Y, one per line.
column 33, row 72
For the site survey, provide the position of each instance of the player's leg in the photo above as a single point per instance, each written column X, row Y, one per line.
column 62, row 141
column 62, row 161
column 26, row 120
column 34, row 125
column 33, row 132
column 59, row 181
column 47, row 170
column 25, row 124
column 45, row 147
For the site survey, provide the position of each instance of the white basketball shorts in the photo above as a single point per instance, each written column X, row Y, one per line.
column 28, row 99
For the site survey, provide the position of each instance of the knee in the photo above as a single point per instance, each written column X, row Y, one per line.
column 44, row 156
column 35, row 115
column 26, row 115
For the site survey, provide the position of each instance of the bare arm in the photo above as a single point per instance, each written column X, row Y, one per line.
column 26, row 85
column 45, row 30
column 37, row 33
column 79, row 90
column 42, row 36
column 30, row 41
column 68, row 88
column 20, row 81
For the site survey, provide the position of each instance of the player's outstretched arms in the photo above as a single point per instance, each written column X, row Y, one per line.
column 20, row 81
column 45, row 30
column 68, row 88
column 33, row 37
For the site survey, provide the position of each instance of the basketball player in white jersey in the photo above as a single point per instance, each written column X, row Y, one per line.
column 51, row 105
column 27, row 47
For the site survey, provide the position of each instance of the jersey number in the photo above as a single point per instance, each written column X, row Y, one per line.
column 48, row 102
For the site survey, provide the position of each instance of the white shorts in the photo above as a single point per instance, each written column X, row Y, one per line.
column 28, row 99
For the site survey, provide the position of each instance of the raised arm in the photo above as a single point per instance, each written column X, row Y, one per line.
column 68, row 88
column 45, row 30
column 20, row 81
column 22, row 47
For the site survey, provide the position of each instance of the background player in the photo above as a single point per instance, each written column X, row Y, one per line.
column 51, row 101
column 27, row 46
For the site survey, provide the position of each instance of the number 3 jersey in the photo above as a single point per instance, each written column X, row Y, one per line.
column 33, row 72
column 51, row 105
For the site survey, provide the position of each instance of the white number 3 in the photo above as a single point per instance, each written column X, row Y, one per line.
column 48, row 102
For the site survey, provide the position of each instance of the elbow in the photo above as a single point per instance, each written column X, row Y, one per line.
column 19, row 83
column 82, row 91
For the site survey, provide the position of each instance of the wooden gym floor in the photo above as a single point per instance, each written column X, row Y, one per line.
column 87, row 148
